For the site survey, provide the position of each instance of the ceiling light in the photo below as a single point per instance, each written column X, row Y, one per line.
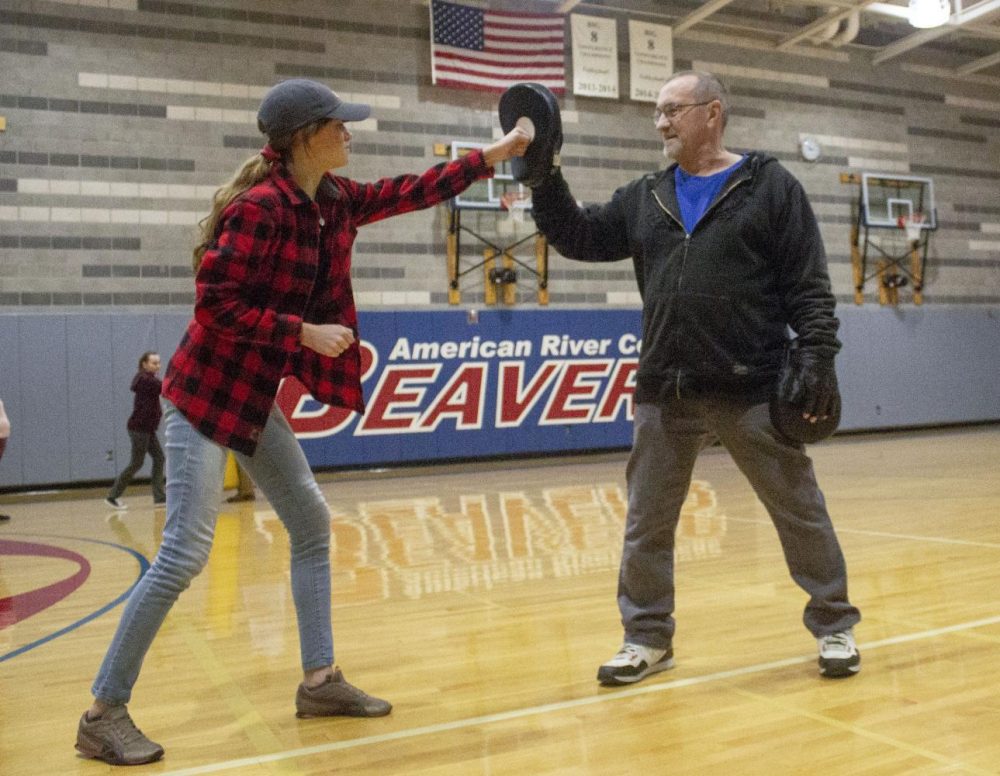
column 929, row 13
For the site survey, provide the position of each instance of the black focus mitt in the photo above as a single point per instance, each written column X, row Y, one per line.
column 538, row 105
column 807, row 386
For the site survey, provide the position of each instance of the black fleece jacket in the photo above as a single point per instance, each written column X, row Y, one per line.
column 717, row 303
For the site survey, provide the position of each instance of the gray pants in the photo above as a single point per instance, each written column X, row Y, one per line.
column 668, row 438
column 142, row 443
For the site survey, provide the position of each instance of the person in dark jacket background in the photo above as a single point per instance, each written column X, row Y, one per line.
column 728, row 257
column 142, row 425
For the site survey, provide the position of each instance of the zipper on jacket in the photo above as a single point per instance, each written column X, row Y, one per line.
column 687, row 243
column 687, row 236
column 680, row 274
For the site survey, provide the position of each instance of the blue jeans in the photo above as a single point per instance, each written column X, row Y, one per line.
column 195, row 469
column 668, row 438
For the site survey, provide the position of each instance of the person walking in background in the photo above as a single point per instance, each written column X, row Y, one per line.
column 728, row 256
column 273, row 298
column 4, row 435
column 142, row 425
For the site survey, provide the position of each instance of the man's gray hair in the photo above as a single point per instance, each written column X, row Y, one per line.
column 708, row 87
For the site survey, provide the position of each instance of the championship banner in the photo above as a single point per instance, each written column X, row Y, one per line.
column 595, row 56
column 651, row 59
column 441, row 388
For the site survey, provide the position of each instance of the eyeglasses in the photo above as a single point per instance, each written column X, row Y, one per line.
column 673, row 111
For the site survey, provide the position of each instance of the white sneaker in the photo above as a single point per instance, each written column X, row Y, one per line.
column 838, row 655
column 633, row 663
column 115, row 503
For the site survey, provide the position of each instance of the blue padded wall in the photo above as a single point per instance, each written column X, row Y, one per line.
column 93, row 397
column 65, row 379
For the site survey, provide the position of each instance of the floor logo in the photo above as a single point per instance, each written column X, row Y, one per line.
column 21, row 606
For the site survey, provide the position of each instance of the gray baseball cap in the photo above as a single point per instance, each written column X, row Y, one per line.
column 292, row 104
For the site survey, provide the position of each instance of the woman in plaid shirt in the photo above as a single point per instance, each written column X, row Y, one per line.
column 273, row 298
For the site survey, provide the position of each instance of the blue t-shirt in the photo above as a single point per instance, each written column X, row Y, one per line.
column 696, row 192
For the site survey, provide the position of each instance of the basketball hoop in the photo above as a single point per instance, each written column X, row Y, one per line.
column 896, row 217
column 912, row 225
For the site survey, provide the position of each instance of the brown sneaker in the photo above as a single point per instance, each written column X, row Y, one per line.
column 336, row 697
column 114, row 738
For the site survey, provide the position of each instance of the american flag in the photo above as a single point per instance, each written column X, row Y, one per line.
column 491, row 50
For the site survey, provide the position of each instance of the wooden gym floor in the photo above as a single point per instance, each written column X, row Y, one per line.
column 481, row 600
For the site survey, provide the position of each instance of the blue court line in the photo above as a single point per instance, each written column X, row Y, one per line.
column 143, row 567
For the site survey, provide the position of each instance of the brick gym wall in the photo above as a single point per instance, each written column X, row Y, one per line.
column 123, row 116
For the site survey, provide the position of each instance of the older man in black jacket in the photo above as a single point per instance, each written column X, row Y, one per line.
column 727, row 256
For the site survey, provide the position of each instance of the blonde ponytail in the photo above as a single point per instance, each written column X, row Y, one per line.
column 252, row 172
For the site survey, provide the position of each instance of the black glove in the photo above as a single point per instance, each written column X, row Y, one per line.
column 811, row 384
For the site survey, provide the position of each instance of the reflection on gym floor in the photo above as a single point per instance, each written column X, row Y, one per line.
column 418, row 547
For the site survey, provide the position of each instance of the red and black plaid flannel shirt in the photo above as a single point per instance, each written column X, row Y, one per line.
column 279, row 259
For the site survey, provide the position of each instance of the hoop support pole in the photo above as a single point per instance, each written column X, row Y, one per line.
column 454, row 294
column 542, row 265
column 489, row 264
column 857, row 262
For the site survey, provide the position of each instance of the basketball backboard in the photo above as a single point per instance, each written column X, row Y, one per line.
column 485, row 194
column 887, row 197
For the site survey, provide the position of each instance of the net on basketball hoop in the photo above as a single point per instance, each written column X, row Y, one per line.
column 516, row 202
column 912, row 224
